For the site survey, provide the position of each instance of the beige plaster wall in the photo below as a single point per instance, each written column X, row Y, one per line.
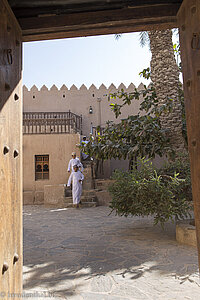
column 59, row 148
column 79, row 102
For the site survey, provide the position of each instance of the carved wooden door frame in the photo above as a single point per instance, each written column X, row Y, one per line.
column 10, row 153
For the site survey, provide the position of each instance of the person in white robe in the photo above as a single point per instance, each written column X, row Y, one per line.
column 74, row 161
column 76, row 178
column 84, row 142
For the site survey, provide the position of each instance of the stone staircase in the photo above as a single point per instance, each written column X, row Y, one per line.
column 95, row 192
column 60, row 196
column 88, row 198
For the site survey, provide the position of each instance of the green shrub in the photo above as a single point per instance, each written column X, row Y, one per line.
column 145, row 192
column 181, row 166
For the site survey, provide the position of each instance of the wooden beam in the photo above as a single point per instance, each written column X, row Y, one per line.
column 99, row 22
column 189, row 23
column 101, row 30
column 33, row 9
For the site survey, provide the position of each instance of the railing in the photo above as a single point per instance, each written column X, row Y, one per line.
column 94, row 130
column 51, row 122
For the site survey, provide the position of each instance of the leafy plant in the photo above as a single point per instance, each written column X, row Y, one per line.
column 180, row 166
column 137, row 135
column 145, row 192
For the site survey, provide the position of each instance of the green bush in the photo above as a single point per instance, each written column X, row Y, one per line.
column 181, row 166
column 145, row 192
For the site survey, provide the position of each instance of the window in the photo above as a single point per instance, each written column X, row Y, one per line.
column 41, row 167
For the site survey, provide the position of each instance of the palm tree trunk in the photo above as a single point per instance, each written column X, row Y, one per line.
column 165, row 78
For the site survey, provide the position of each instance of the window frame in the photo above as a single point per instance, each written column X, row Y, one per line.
column 44, row 160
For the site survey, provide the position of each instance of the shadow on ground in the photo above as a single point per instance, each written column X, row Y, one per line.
column 82, row 253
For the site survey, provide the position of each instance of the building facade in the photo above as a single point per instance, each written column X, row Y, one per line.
column 54, row 120
column 91, row 103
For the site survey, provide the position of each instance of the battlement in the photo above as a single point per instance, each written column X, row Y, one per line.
column 91, row 103
column 73, row 88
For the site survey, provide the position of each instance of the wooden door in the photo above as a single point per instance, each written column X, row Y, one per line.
column 10, row 154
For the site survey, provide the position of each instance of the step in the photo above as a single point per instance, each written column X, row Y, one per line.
column 89, row 198
column 67, row 200
column 88, row 204
column 83, row 199
column 88, row 193
column 91, row 192
column 82, row 205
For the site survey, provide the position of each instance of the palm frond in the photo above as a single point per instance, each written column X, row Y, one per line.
column 144, row 38
column 118, row 36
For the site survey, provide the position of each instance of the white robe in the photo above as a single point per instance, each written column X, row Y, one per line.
column 84, row 156
column 76, row 186
column 73, row 162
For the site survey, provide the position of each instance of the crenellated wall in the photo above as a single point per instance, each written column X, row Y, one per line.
column 79, row 101
column 60, row 146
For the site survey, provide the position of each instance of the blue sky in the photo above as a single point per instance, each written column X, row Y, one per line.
column 87, row 60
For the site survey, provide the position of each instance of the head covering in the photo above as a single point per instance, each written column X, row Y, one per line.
column 75, row 166
column 73, row 153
